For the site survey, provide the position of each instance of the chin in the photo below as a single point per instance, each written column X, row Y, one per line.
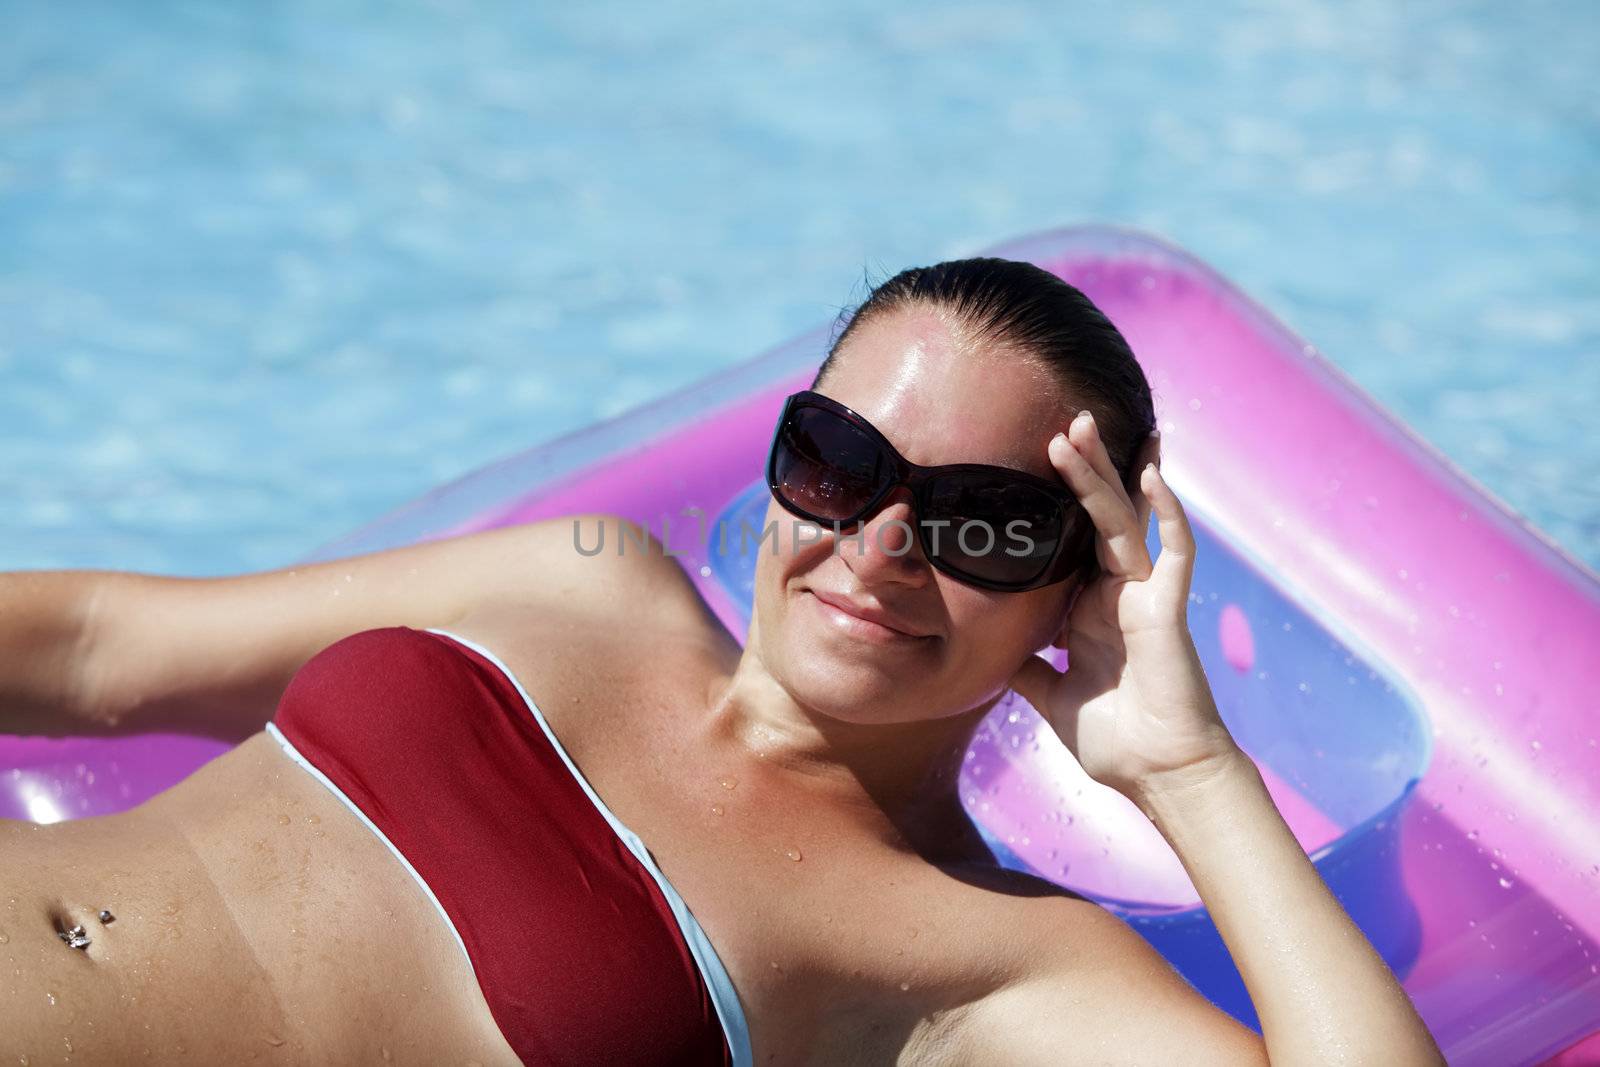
column 851, row 691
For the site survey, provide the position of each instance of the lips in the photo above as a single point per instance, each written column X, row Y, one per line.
column 864, row 620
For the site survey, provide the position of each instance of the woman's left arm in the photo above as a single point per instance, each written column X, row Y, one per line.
column 1136, row 710
column 1321, row 990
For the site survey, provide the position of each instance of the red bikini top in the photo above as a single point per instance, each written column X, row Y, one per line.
column 585, row 953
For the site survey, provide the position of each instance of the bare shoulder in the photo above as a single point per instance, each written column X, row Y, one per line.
column 596, row 571
column 616, row 568
column 1083, row 987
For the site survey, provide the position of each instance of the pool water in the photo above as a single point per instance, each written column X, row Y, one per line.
column 267, row 272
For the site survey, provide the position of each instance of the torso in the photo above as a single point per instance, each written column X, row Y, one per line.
column 256, row 919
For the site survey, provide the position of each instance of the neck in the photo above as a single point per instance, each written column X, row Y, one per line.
column 898, row 779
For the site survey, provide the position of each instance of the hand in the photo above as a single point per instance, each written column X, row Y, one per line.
column 1134, row 706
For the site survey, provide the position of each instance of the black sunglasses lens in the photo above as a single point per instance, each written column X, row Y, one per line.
column 825, row 466
column 1000, row 531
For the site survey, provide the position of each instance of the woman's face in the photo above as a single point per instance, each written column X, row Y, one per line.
column 939, row 398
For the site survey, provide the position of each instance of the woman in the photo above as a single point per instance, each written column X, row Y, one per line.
column 435, row 852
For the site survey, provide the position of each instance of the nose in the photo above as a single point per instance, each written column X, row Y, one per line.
column 884, row 547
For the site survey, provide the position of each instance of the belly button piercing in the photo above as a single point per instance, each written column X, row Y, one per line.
column 75, row 938
column 106, row 917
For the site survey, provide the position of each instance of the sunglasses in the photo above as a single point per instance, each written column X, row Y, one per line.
column 991, row 527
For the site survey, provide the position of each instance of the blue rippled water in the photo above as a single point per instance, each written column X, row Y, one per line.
column 268, row 270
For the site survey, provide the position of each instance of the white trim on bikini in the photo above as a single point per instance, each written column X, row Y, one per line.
column 723, row 995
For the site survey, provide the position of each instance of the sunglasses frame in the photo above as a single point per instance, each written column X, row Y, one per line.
column 916, row 478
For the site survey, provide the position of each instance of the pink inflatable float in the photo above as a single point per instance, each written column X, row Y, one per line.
column 1409, row 663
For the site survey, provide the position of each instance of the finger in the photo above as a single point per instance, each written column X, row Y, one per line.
column 1086, row 436
column 1037, row 682
column 1065, row 632
column 1174, row 568
column 1108, row 507
column 1150, row 453
column 1034, row 681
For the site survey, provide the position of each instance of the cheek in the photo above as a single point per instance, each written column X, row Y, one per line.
column 781, row 562
column 789, row 546
column 997, row 630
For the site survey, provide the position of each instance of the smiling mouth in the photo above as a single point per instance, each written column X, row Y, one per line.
column 861, row 629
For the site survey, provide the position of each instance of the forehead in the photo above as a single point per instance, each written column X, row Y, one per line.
column 941, row 396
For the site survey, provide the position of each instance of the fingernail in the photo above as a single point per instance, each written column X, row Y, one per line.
column 1155, row 435
column 1085, row 413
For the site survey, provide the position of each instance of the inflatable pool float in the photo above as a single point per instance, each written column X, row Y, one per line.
column 1407, row 661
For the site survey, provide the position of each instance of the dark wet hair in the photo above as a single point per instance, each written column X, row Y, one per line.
column 1048, row 321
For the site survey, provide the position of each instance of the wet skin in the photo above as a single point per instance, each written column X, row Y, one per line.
column 858, row 914
column 256, row 918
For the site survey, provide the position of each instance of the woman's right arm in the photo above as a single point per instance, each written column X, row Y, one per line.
column 42, row 631
column 112, row 651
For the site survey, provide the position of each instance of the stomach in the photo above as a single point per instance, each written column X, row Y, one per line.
column 242, row 915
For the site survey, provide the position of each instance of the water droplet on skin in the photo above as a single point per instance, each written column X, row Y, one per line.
column 4, row 937
column 793, row 853
column 273, row 1039
column 904, row 986
column 51, row 997
column 387, row 1055
column 716, row 809
column 313, row 819
column 729, row 782
column 1505, row 883
column 283, row 820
